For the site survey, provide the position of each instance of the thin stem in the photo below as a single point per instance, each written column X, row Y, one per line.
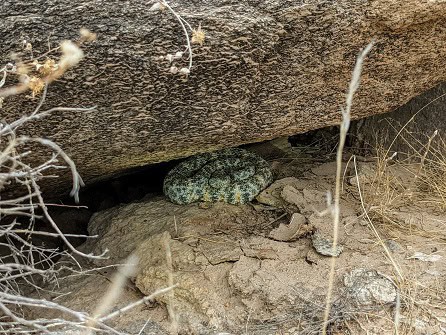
column 186, row 34
column 354, row 84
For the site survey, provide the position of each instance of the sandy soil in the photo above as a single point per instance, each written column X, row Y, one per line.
column 263, row 268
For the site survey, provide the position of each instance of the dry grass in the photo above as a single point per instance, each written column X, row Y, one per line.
column 334, row 208
column 390, row 188
column 416, row 180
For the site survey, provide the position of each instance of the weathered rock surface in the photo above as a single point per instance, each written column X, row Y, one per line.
column 267, row 68
column 407, row 129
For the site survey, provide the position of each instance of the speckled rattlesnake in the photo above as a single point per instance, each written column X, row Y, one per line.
column 232, row 175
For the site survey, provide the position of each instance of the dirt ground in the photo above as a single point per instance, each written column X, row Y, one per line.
column 263, row 268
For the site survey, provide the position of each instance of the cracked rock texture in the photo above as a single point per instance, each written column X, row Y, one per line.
column 267, row 68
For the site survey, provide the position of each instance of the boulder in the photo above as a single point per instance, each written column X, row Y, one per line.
column 407, row 130
column 266, row 69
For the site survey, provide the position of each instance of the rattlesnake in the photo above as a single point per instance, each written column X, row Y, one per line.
column 232, row 175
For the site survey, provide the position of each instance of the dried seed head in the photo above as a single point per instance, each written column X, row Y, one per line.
column 173, row 69
column 157, row 7
column 184, row 71
column 198, row 35
column 87, row 35
column 36, row 85
column 36, row 64
column 48, row 67
column 178, row 55
column 170, row 58
column 71, row 55
column 22, row 69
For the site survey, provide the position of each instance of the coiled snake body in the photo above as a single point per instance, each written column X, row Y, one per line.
column 232, row 175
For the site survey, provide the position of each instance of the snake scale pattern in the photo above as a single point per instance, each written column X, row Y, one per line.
column 235, row 176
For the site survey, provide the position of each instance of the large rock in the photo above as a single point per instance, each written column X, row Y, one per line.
column 407, row 129
column 267, row 68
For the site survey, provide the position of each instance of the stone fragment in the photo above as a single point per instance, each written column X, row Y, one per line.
column 324, row 246
column 369, row 287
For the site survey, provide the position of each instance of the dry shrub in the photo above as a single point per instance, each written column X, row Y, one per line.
column 25, row 265
column 27, row 268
